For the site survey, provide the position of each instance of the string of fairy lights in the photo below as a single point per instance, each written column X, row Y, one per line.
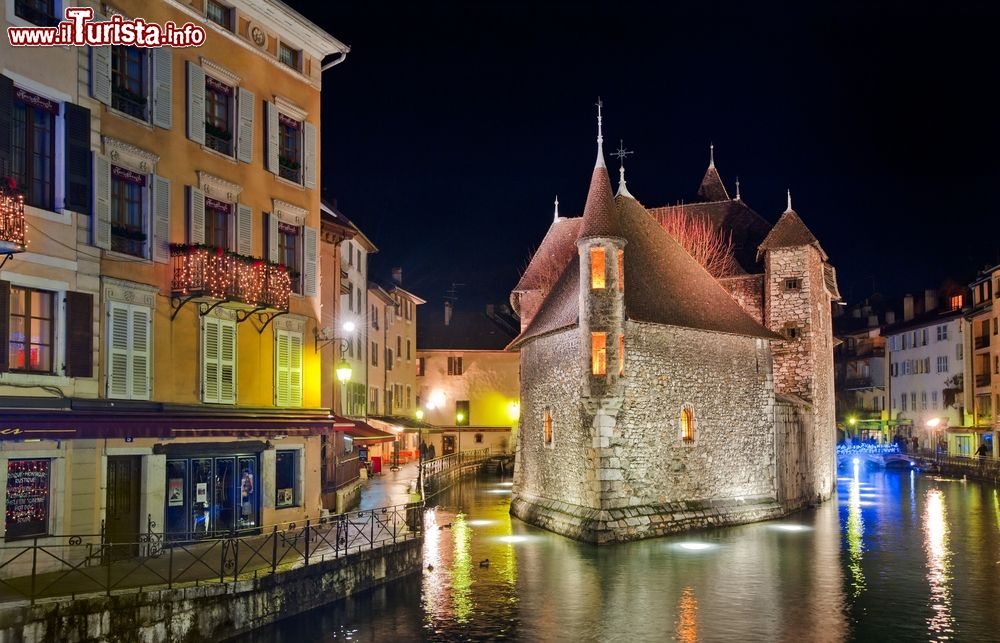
column 11, row 215
column 220, row 274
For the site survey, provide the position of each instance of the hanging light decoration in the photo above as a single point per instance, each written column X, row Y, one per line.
column 11, row 218
column 220, row 274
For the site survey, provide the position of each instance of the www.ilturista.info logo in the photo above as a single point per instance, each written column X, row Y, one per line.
column 79, row 28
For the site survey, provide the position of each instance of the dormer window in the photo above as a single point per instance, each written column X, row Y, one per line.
column 599, row 353
column 621, row 270
column 289, row 56
column 219, row 14
column 956, row 302
column 598, row 269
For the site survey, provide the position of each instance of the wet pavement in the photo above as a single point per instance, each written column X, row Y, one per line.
column 390, row 488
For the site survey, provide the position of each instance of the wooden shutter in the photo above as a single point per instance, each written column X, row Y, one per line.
column 141, row 353
column 118, row 350
column 271, row 112
column 100, row 71
column 244, row 229
column 272, row 237
column 161, row 219
column 210, row 359
column 309, row 158
column 6, row 127
column 78, row 172
column 294, row 369
column 281, row 363
column 195, row 103
column 196, row 215
column 310, row 249
column 227, row 362
column 244, row 129
column 79, row 334
column 4, row 325
column 163, row 79
column 102, row 202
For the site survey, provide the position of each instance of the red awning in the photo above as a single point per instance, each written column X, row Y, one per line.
column 88, row 425
column 364, row 432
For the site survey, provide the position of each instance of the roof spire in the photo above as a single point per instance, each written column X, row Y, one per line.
column 556, row 215
column 737, row 188
column 711, row 155
column 600, row 136
column 621, row 153
column 789, row 208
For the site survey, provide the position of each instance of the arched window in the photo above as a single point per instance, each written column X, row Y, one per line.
column 598, row 270
column 687, row 424
column 547, row 428
column 621, row 270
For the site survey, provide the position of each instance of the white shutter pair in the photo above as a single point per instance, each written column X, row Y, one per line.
column 129, row 351
column 161, row 75
column 159, row 204
column 309, row 153
column 218, row 371
column 196, row 113
column 288, row 368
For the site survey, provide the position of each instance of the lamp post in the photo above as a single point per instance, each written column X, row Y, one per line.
column 419, row 414
column 932, row 425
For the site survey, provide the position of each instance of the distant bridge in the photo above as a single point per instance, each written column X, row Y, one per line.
column 882, row 455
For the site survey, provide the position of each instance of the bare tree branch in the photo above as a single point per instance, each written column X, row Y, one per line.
column 710, row 247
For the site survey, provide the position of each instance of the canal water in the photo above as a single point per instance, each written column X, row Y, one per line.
column 897, row 556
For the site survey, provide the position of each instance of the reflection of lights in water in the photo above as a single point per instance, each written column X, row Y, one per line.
column 695, row 546
column 687, row 622
column 844, row 479
column 513, row 540
column 791, row 528
column 433, row 588
column 938, row 559
column 855, row 535
column 503, row 491
column 461, row 571
column 481, row 523
column 996, row 506
column 506, row 484
column 855, row 461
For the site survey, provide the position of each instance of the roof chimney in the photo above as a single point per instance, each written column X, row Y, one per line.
column 397, row 276
column 447, row 313
column 890, row 317
column 930, row 299
column 907, row 307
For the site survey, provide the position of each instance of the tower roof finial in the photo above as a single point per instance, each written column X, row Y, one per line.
column 711, row 155
column 621, row 153
column 556, row 215
column 600, row 135
column 738, row 188
column 789, row 209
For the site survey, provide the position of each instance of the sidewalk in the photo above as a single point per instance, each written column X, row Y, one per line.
column 389, row 488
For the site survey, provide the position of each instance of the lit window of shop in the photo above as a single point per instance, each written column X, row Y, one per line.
column 285, row 478
column 28, row 485
column 212, row 494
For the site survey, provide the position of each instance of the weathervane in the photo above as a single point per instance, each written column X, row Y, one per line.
column 621, row 152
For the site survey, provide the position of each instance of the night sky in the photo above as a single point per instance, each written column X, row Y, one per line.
column 452, row 125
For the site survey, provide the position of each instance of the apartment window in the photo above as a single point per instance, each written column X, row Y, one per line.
column 219, row 116
column 462, row 413
column 289, row 253
column 285, row 477
column 923, row 337
column 420, row 366
column 289, row 148
column 408, row 354
column 598, row 270
column 942, row 364
column 621, row 270
column 374, row 354
column 902, row 400
column 217, row 221
column 129, row 358
column 350, row 297
column 28, row 497
column 409, row 396
column 373, row 399
column 128, row 216
column 288, row 368
column 454, row 366
column 478, row 438
column 218, row 352
column 37, row 12
column 995, row 325
column 905, row 336
column 923, row 400
column 942, row 333
column 598, row 353
column 129, row 79
column 388, row 359
column 913, row 400
column 996, row 364
column 32, row 330
column 927, row 365
column 621, row 355
column 33, row 140
column 959, row 352
column 399, row 346
column 219, row 14
column 289, row 56
column 934, row 400
column 687, row 424
column 375, row 317
column 792, row 331
column 793, row 283
column 547, row 427
column 956, row 302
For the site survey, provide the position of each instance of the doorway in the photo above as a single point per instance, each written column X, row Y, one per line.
column 447, row 444
column 121, row 527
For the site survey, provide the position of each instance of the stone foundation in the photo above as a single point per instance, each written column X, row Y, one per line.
column 645, row 521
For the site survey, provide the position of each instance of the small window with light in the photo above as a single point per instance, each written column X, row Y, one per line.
column 599, row 353
column 687, row 424
column 598, row 269
column 547, row 428
column 621, row 270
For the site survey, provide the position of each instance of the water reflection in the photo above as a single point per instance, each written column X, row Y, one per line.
column 855, row 535
column 938, row 556
column 687, row 625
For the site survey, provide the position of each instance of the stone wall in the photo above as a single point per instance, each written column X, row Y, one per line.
column 214, row 612
column 748, row 291
column 794, row 432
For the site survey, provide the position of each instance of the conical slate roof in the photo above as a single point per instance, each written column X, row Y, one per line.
column 555, row 251
column 600, row 219
column 789, row 232
column 712, row 188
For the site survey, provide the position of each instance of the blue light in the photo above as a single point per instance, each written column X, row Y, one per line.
column 856, row 460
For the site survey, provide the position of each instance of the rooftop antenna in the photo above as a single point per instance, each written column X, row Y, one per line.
column 452, row 293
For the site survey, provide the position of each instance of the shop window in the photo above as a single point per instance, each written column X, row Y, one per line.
column 128, row 212
column 219, row 14
column 33, row 145
column 547, row 428
column 687, row 424
column 599, row 353
column 28, row 485
column 285, row 478
column 598, row 269
column 129, row 81
column 31, row 330
column 348, row 444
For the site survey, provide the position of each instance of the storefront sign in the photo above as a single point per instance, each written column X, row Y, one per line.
column 175, row 492
column 27, row 497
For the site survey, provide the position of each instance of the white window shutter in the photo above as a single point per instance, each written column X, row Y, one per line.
column 196, row 215
column 272, row 237
column 163, row 80
column 281, row 366
column 141, row 347
column 102, row 202
column 309, row 158
column 210, row 359
column 227, row 362
column 244, row 229
column 294, row 369
column 161, row 219
column 272, row 136
column 196, row 103
column 100, row 71
column 310, row 250
column 118, row 350
column 244, row 130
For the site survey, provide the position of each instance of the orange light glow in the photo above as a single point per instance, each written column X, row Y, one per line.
column 621, row 355
column 621, row 270
column 599, row 353
column 598, row 270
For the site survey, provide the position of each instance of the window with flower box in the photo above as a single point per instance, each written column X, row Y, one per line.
column 218, row 116
column 129, row 77
column 128, row 212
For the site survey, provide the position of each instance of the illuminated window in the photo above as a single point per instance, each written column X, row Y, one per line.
column 599, row 353
column 598, row 272
column 548, row 427
column 621, row 270
column 687, row 424
column 621, row 355
column 956, row 302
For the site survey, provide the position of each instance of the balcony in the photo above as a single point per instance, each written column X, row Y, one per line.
column 983, row 379
column 858, row 383
column 983, row 341
column 11, row 219
column 289, row 169
column 216, row 274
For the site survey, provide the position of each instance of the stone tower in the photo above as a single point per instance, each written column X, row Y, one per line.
column 799, row 287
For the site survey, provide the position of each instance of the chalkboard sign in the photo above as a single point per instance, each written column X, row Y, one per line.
column 28, row 498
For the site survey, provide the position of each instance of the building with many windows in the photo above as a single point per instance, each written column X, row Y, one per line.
column 860, row 372
column 168, row 383
column 982, row 370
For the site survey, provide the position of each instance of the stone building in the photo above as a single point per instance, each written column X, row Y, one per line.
column 657, row 398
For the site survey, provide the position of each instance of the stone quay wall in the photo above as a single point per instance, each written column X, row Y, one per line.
column 209, row 612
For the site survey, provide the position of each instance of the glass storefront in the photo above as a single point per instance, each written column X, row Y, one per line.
column 212, row 496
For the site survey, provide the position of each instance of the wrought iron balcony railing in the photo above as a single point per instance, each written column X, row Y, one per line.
column 858, row 383
column 983, row 379
column 982, row 341
column 221, row 275
column 11, row 219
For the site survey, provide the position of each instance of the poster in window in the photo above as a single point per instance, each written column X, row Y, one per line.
column 27, row 498
column 175, row 492
column 284, row 497
column 201, row 492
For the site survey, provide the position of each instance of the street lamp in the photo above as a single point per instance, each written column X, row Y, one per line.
column 343, row 371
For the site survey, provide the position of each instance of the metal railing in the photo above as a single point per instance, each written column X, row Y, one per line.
column 53, row 566
column 987, row 468
column 454, row 461
column 222, row 275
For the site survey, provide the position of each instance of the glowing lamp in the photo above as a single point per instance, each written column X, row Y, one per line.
column 459, row 417
column 933, row 422
column 419, row 414
column 514, row 411
column 853, row 421
column 348, row 327
column 343, row 371
column 436, row 401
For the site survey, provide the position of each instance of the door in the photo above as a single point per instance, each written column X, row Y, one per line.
column 447, row 444
column 225, row 494
column 121, row 527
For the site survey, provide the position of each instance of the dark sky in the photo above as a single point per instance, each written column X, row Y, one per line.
column 452, row 125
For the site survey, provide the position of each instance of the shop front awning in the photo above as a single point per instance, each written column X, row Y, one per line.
column 99, row 424
column 401, row 421
column 365, row 433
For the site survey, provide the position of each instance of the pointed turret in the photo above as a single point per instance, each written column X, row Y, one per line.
column 599, row 216
column 621, row 153
column 712, row 188
column 790, row 231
